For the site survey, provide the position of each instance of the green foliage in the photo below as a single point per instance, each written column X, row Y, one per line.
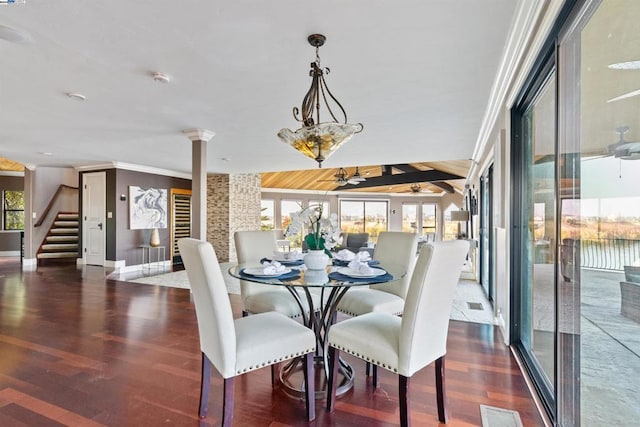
column 13, row 206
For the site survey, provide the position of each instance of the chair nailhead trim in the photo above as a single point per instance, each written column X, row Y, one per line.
column 271, row 362
column 367, row 359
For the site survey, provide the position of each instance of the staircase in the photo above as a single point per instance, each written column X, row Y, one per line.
column 61, row 242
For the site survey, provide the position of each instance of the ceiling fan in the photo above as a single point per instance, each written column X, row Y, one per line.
column 416, row 188
column 622, row 149
column 342, row 178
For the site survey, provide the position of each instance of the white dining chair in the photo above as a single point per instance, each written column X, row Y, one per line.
column 394, row 248
column 235, row 347
column 251, row 247
column 404, row 345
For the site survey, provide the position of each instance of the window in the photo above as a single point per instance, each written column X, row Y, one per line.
column 451, row 228
column 409, row 218
column 364, row 216
column 429, row 218
column 267, row 217
column 287, row 209
column 13, row 210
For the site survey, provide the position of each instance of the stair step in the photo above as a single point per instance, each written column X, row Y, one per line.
column 52, row 255
column 65, row 224
column 60, row 247
column 67, row 216
column 62, row 238
column 68, row 231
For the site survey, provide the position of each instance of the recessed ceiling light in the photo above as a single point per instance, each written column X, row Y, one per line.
column 630, row 65
column 225, row 159
column 77, row 96
column 45, row 153
column 161, row 77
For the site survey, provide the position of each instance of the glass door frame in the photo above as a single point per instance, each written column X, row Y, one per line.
column 545, row 69
column 485, row 237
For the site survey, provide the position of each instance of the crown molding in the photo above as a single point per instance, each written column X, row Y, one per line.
column 133, row 167
column 533, row 21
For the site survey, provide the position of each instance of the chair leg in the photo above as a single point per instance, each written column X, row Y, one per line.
column 227, row 406
column 367, row 369
column 332, row 386
column 274, row 373
column 440, row 391
column 205, row 382
column 374, row 380
column 310, row 389
column 403, row 392
column 245, row 313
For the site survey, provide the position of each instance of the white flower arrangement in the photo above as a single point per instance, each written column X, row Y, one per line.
column 324, row 233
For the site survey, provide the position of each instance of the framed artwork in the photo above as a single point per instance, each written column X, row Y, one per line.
column 147, row 208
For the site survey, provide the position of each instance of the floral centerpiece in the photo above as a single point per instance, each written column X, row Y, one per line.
column 323, row 233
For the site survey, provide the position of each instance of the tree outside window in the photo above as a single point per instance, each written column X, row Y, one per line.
column 267, row 217
column 13, row 210
column 287, row 209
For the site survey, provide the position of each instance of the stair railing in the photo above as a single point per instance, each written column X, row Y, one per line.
column 51, row 202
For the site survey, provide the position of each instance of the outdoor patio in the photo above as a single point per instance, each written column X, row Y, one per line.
column 610, row 353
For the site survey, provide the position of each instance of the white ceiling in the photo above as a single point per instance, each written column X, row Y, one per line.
column 417, row 74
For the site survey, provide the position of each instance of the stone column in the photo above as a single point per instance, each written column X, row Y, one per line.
column 199, row 139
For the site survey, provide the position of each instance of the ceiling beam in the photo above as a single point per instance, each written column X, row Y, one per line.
column 446, row 187
column 430, row 176
column 405, row 167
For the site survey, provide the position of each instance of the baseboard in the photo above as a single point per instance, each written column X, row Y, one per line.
column 116, row 265
column 9, row 253
column 29, row 264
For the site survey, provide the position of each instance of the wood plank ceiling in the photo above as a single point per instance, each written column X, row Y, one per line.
column 433, row 178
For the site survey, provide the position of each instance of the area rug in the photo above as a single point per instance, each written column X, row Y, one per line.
column 179, row 279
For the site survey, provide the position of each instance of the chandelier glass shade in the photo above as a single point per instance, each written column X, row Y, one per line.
column 315, row 139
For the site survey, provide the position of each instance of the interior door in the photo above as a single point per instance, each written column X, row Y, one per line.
column 93, row 217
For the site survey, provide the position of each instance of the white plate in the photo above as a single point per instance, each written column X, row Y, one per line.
column 349, row 272
column 259, row 272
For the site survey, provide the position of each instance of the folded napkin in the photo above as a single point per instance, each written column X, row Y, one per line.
column 273, row 267
column 360, row 267
column 288, row 256
column 363, row 256
column 344, row 255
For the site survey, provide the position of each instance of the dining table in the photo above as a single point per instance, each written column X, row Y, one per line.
column 318, row 294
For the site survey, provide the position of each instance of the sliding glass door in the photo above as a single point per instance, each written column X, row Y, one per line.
column 486, row 230
column 534, row 163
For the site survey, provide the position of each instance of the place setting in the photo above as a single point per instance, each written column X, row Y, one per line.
column 343, row 257
column 360, row 271
column 271, row 270
column 287, row 258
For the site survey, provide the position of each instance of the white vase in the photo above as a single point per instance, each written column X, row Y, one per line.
column 316, row 259
column 154, row 238
column 316, row 277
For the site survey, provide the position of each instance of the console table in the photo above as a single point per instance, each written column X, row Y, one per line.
column 146, row 255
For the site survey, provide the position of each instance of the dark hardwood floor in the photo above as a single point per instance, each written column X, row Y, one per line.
column 78, row 349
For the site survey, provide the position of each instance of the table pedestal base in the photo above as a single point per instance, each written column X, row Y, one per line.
column 292, row 379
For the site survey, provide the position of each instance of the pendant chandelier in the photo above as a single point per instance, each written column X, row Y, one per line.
column 315, row 139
